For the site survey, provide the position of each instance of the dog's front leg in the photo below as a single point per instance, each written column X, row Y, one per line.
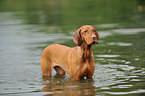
column 80, row 72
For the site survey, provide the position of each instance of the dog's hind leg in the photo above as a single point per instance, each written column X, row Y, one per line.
column 46, row 66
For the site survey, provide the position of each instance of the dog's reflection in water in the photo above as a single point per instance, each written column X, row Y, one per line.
column 62, row 86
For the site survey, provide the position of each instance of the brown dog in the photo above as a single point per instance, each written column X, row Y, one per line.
column 78, row 62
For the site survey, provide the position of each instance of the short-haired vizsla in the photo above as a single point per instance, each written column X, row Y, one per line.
column 78, row 61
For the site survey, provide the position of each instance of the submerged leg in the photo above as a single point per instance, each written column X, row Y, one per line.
column 46, row 66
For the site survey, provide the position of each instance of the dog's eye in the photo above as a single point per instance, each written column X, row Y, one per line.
column 85, row 31
column 94, row 30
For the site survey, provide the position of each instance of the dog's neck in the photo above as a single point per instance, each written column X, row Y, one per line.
column 87, row 52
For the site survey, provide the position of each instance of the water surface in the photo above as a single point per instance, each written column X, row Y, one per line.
column 26, row 28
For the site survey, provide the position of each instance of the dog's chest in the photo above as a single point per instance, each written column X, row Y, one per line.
column 85, row 68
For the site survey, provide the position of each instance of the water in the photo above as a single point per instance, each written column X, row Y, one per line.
column 26, row 28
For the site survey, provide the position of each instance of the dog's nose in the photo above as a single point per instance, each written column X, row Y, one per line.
column 94, row 37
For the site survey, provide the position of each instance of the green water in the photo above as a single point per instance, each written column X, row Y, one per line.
column 27, row 27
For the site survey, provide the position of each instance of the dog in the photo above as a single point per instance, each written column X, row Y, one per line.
column 78, row 62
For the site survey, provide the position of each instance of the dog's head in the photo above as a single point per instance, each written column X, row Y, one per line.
column 87, row 34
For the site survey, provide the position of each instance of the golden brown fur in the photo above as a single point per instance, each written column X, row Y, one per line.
column 78, row 62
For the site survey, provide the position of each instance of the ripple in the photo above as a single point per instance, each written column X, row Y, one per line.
column 107, row 25
column 122, row 86
column 72, row 86
column 127, row 62
column 104, row 34
column 124, row 93
column 115, row 60
column 107, row 55
column 136, row 80
column 120, row 43
column 105, row 88
column 129, row 31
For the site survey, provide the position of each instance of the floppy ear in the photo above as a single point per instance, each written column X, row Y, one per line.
column 77, row 37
